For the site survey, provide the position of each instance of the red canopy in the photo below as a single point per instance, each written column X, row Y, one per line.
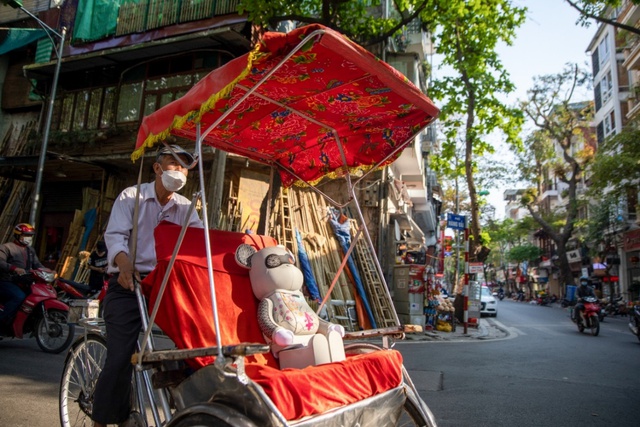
column 330, row 106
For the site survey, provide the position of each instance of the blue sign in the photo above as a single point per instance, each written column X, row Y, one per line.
column 456, row 222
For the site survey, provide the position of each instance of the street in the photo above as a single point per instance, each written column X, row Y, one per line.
column 544, row 373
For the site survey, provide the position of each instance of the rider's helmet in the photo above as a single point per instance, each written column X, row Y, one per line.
column 23, row 233
column 584, row 281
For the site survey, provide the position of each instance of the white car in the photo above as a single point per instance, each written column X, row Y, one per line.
column 489, row 304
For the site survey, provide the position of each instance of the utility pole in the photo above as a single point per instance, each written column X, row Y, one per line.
column 17, row 4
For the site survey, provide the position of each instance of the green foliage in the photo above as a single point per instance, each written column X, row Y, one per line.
column 351, row 17
column 467, row 35
column 526, row 252
column 616, row 167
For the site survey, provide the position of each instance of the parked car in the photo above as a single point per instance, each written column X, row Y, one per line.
column 489, row 304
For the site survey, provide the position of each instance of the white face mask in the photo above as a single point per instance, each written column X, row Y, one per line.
column 27, row 240
column 173, row 180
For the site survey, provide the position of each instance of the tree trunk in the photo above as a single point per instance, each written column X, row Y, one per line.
column 566, row 275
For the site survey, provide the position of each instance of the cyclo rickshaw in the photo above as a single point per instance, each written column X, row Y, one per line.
column 310, row 104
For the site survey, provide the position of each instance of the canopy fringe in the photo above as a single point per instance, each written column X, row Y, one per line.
column 196, row 115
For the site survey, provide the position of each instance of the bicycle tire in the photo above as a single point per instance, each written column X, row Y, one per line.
column 82, row 368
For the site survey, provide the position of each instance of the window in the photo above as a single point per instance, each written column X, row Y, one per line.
column 143, row 90
column 603, row 50
column 595, row 62
column 129, row 103
column 84, row 109
column 600, row 133
column 610, row 124
column 606, row 87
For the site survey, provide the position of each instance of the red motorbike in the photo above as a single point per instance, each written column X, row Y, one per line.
column 76, row 294
column 588, row 318
column 41, row 313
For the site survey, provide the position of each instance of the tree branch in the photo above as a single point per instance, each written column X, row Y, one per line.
column 602, row 20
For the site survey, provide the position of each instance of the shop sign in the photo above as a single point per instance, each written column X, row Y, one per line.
column 632, row 240
column 574, row 256
column 476, row 267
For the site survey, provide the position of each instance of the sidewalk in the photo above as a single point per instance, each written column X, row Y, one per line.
column 486, row 330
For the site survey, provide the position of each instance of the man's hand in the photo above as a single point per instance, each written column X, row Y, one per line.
column 19, row 271
column 125, row 279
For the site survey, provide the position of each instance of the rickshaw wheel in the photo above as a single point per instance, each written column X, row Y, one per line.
column 210, row 415
column 82, row 367
column 412, row 415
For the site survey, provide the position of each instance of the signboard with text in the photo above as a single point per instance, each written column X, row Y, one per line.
column 456, row 222
column 476, row 267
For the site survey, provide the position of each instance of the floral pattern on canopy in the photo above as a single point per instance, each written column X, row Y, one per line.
column 331, row 107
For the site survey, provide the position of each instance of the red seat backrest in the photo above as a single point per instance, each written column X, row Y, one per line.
column 185, row 313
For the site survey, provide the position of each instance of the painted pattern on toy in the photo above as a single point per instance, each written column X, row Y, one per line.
column 298, row 337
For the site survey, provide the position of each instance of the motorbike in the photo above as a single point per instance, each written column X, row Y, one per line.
column 634, row 321
column 616, row 307
column 501, row 295
column 602, row 313
column 543, row 300
column 41, row 314
column 566, row 303
column 588, row 318
column 77, row 295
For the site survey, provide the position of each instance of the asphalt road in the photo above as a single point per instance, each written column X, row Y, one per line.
column 29, row 381
column 542, row 373
column 545, row 373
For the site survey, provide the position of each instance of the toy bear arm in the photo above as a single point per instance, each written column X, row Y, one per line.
column 265, row 318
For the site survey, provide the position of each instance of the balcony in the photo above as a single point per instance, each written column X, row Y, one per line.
column 148, row 15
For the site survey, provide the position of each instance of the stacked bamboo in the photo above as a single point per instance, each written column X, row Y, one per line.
column 67, row 262
column 308, row 212
column 14, row 194
column 72, row 262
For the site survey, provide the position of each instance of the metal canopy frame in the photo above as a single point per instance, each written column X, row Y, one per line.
column 271, row 161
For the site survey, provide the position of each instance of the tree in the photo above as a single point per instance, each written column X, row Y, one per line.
column 595, row 9
column 560, row 151
column 616, row 167
column 467, row 34
column 354, row 18
column 523, row 255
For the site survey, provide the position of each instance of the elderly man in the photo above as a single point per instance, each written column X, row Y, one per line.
column 158, row 202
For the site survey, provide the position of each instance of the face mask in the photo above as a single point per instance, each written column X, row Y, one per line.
column 27, row 240
column 173, row 180
column 583, row 283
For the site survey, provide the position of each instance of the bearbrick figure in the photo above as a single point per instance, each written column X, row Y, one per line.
column 298, row 337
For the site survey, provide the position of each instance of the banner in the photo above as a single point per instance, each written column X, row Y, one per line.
column 15, row 38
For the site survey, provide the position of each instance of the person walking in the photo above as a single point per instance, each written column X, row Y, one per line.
column 158, row 201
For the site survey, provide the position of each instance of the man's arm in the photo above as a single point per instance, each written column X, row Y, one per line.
column 119, row 227
column 35, row 261
column 4, row 256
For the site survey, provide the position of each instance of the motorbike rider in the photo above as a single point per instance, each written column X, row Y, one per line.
column 584, row 290
column 16, row 258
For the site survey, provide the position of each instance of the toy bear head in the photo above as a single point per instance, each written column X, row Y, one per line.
column 270, row 269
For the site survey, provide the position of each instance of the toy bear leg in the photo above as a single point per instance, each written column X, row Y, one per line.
column 336, row 346
column 316, row 352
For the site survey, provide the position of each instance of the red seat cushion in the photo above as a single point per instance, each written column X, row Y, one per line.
column 185, row 316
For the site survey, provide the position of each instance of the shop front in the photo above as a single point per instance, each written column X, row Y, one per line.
column 631, row 247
